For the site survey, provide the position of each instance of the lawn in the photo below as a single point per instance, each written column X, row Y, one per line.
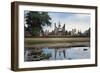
column 57, row 41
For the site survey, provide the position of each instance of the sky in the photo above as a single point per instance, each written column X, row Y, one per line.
column 76, row 21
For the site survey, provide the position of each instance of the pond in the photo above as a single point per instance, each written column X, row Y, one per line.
column 57, row 53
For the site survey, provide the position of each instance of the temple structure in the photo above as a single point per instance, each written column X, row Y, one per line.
column 59, row 30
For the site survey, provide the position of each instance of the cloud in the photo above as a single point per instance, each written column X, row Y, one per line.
column 72, row 20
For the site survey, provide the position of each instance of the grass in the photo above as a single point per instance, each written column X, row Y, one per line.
column 30, row 41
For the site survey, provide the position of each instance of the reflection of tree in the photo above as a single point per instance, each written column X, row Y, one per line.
column 36, row 54
column 35, row 22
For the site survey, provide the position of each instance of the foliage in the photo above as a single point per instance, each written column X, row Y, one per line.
column 46, row 56
column 35, row 22
column 87, row 32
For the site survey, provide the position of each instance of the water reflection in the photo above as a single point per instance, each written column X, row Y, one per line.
column 32, row 54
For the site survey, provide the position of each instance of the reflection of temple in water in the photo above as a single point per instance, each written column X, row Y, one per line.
column 38, row 54
column 60, row 53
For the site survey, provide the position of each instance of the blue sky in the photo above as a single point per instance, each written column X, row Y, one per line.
column 77, row 21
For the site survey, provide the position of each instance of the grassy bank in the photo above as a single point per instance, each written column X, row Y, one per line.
column 32, row 41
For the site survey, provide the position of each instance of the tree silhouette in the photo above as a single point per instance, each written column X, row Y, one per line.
column 35, row 22
column 87, row 33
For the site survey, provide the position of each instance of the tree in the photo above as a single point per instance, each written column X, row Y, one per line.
column 36, row 21
column 79, row 33
column 87, row 33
